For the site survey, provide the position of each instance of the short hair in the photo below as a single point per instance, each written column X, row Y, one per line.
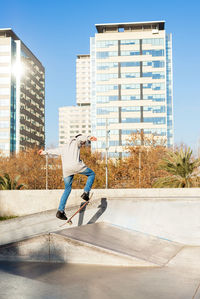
column 78, row 135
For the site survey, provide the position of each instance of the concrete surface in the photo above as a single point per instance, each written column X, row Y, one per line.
column 140, row 248
column 179, row 280
column 27, row 202
column 174, row 219
column 150, row 226
column 97, row 243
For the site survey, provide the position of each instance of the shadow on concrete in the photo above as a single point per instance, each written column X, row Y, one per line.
column 34, row 250
column 102, row 207
column 30, row 270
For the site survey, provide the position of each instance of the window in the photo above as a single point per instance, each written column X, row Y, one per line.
column 103, row 55
column 4, row 135
column 4, row 91
column 106, row 110
column 102, row 88
column 129, row 53
column 131, row 109
column 155, row 97
column 4, row 59
column 106, row 43
column 130, row 97
column 154, row 64
column 154, row 75
column 101, row 133
column 156, row 132
column 106, row 65
column 155, row 120
column 154, row 109
column 4, row 146
column 106, row 99
column 5, row 48
column 130, row 86
column 106, row 77
column 130, row 64
column 130, row 75
column 153, row 52
column 4, row 70
column 4, row 102
column 113, row 143
column 4, row 124
column 154, row 86
column 4, row 112
column 129, row 42
column 153, row 41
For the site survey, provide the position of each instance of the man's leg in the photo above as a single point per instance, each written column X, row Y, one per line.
column 68, row 187
column 91, row 176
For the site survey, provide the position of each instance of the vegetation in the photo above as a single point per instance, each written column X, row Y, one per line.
column 182, row 170
column 7, row 218
column 148, row 165
column 7, row 184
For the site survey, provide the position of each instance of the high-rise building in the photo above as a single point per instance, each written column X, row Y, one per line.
column 22, row 96
column 131, row 84
column 74, row 120
column 83, row 79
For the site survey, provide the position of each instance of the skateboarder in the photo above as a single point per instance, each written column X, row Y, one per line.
column 71, row 164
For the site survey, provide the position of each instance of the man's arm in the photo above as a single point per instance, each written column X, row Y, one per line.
column 53, row 152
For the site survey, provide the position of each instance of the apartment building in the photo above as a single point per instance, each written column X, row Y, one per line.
column 83, row 79
column 131, row 84
column 74, row 120
column 22, row 96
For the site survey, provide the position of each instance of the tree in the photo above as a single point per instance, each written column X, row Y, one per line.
column 142, row 163
column 182, row 170
column 6, row 183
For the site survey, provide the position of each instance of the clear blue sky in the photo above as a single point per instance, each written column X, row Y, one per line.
column 56, row 31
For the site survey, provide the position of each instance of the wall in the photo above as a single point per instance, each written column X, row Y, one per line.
column 26, row 202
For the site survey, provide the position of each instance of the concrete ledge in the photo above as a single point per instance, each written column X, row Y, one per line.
column 26, row 202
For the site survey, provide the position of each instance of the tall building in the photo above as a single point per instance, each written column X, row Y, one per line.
column 83, row 79
column 131, row 83
column 74, row 120
column 22, row 96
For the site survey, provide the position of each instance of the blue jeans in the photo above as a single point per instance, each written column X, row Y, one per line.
column 68, row 186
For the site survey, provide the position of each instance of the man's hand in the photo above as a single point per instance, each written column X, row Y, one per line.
column 93, row 138
column 41, row 152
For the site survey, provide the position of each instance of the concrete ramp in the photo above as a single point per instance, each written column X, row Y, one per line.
column 98, row 243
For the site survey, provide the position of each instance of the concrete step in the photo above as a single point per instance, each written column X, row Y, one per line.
column 98, row 243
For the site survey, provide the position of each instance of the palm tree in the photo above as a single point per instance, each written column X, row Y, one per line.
column 7, row 184
column 182, row 169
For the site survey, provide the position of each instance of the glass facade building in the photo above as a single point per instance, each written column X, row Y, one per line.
column 22, row 96
column 131, row 84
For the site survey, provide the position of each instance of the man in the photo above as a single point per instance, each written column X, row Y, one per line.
column 71, row 164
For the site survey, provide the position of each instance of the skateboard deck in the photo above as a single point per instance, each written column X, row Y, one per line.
column 69, row 221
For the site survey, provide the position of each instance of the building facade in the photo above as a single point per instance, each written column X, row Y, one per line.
column 73, row 120
column 131, row 84
column 83, row 79
column 22, row 96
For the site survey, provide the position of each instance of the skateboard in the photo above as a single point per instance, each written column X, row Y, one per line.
column 69, row 221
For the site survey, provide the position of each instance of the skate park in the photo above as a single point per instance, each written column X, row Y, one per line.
column 126, row 243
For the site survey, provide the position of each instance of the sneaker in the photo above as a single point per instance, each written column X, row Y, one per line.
column 85, row 196
column 61, row 215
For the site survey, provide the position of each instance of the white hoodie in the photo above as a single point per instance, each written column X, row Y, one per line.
column 70, row 155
